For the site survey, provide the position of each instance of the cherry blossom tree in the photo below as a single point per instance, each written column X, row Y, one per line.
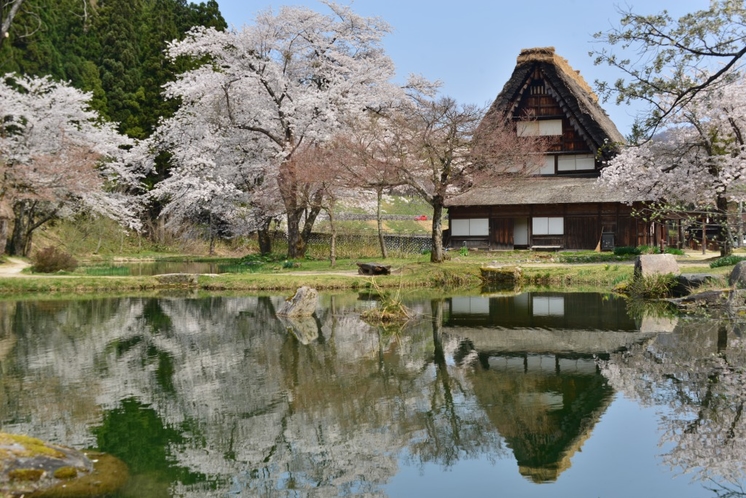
column 57, row 158
column 698, row 160
column 214, row 176
column 367, row 156
column 287, row 81
column 447, row 148
column 667, row 62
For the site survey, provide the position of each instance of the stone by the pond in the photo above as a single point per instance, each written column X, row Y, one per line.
column 501, row 275
column 303, row 303
column 31, row 467
column 737, row 276
column 687, row 282
column 647, row 265
column 180, row 279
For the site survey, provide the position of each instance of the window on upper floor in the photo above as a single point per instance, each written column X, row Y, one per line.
column 543, row 128
column 576, row 162
column 548, row 168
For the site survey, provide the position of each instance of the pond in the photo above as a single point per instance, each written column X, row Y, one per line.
column 539, row 394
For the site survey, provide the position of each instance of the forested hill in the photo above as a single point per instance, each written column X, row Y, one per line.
column 112, row 48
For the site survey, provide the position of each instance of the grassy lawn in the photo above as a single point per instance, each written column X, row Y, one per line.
column 461, row 271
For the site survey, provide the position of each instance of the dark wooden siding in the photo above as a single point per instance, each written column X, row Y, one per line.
column 502, row 233
column 582, row 232
column 583, row 225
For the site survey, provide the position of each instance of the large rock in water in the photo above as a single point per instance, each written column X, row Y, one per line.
column 647, row 265
column 30, row 467
column 303, row 303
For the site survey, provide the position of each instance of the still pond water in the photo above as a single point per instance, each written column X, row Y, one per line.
column 535, row 395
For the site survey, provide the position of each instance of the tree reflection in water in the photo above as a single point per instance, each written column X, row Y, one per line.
column 247, row 405
column 698, row 375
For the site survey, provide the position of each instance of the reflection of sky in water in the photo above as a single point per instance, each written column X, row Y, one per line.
column 615, row 462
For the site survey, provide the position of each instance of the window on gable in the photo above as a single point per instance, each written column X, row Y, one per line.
column 544, row 128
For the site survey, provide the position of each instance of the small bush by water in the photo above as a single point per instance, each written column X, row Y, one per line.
column 51, row 260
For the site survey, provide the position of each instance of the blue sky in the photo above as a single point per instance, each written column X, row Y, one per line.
column 471, row 45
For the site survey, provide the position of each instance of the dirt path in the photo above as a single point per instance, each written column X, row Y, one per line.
column 13, row 267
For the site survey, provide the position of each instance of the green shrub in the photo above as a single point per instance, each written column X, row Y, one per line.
column 727, row 261
column 626, row 251
column 674, row 250
column 587, row 257
column 645, row 249
column 652, row 286
column 51, row 260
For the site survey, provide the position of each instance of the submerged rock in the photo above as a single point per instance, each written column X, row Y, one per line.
column 304, row 328
column 29, row 466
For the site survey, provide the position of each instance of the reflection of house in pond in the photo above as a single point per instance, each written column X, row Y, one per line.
column 586, row 323
column 537, row 378
column 544, row 406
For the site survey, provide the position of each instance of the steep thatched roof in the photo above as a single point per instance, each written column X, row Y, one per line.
column 566, row 85
column 539, row 190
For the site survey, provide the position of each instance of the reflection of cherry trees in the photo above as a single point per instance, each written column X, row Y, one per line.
column 256, row 411
column 453, row 425
column 698, row 374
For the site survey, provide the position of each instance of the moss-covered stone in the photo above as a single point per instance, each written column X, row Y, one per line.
column 30, row 475
column 109, row 474
column 19, row 445
column 66, row 473
column 30, row 467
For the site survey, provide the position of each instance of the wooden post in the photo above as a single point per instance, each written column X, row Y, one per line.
column 704, row 235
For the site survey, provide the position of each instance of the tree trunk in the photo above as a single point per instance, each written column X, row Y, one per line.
column 296, row 244
column 4, row 224
column 297, row 206
column 726, row 242
column 333, row 242
column 211, row 251
column 436, row 256
column 264, row 238
column 297, row 236
column 20, row 240
column 8, row 19
column 379, row 220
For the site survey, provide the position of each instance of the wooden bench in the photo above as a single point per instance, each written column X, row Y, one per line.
column 373, row 269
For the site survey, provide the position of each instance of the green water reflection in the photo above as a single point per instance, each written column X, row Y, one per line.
column 217, row 397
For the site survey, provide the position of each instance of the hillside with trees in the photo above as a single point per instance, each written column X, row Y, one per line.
column 111, row 48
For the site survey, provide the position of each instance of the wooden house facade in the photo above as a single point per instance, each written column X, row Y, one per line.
column 560, row 206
